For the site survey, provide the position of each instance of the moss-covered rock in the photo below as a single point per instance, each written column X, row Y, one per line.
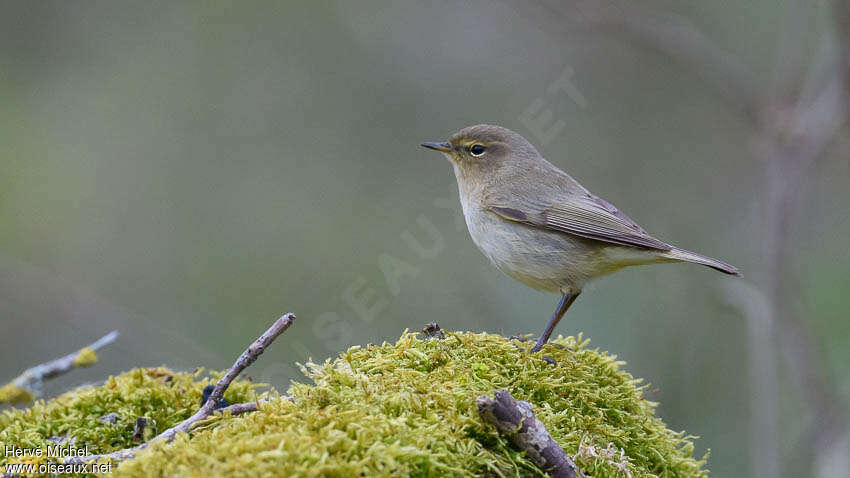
column 385, row 410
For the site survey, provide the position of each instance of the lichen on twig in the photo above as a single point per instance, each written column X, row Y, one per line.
column 28, row 386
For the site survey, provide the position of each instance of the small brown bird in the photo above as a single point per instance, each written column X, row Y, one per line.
column 541, row 227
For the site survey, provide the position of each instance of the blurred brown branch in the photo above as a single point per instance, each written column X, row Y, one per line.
column 670, row 34
column 797, row 122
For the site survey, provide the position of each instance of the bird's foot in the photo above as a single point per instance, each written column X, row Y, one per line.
column 539, row 345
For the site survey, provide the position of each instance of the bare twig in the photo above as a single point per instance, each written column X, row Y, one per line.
column 516, row 420
column 433, row 331
column 247, row 358
column 29, row 385
column 239, row 408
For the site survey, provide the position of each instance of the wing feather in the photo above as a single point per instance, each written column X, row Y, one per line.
column 582, row 215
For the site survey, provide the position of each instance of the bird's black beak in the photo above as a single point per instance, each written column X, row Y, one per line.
column 441, row 147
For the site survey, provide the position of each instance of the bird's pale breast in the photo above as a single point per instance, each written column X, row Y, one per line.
column 540, row 259
column 545, row 260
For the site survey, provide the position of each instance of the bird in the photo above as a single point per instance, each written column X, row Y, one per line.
column 540, row 226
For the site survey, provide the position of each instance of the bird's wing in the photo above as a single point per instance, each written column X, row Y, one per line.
column 581, row 214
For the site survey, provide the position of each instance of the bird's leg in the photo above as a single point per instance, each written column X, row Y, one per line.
column 566, row 301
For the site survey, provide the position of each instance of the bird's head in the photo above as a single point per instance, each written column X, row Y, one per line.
column 484, row 149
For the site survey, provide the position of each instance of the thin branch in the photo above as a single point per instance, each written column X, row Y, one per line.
column 433, row 331
column 240, row 408
column 516, row 420
column 247, row 358
column 28, row 385
column 129, row 453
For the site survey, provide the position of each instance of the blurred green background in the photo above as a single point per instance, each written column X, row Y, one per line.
column 186, row 172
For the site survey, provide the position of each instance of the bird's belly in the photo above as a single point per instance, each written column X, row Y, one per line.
column 543, row 260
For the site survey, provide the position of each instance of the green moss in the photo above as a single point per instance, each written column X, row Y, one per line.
column 103, row 418
column 86, row 358
column 391, row 410
column 408, row 409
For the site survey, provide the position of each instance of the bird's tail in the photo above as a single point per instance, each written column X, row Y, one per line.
column 688, row 256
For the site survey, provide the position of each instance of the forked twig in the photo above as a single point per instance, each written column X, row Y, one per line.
column 247, row 358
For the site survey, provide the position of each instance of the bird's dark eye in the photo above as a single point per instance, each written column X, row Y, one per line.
column 477, row 150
